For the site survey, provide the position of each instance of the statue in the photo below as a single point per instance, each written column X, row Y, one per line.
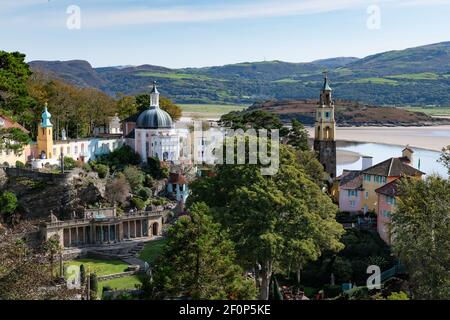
column 53, row 218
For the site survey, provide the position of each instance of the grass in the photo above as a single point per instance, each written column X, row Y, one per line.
column 431, row 111
column 375, row 81
column 100, row 267
column 152, row 250
column 120, row 283
column 174, row 75
column 416, row 76
column 217, row 109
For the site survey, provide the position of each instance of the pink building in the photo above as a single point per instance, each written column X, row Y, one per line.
column 387, row 203
column 350, row 191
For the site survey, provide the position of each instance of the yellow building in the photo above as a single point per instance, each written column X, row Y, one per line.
column 45, row 136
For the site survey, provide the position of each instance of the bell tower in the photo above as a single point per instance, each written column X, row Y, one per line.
column 325, row 130
column 45, row 136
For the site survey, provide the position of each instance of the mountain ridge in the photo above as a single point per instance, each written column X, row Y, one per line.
column 414, row 76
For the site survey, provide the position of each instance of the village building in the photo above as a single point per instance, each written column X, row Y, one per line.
column 152, row 133
column 357, row 188
column 8, row 157
column 103, row 227
column 387, row 204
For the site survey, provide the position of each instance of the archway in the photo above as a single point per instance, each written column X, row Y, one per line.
column 155, row 228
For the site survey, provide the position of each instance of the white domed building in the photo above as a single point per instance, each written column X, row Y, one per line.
column 152, row 133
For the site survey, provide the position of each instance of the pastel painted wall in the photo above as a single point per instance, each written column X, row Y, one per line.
column 386, row 206
column 350, row 200
column 10, row 157
column 370, row 184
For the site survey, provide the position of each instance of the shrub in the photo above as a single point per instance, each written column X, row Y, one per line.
column 138, row 203
column 20, row 164
column 107, row 288
column 135, row 177
column 101, row 169
column 398, row 296
column 87, row 167
column 69, row 163
column 149, row 181
column 145, row 193
column 5, row 164
column 8, row 203
column 93, row 283
column 332, row 291
column 82, row 274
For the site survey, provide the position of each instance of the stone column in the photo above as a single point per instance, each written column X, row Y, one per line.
column 76, row 232
column 135, row 234
column 70, row 237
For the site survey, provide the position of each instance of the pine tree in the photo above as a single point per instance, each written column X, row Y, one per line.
column 199, row 261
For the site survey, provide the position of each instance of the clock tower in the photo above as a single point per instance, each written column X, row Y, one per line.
column 325, row 131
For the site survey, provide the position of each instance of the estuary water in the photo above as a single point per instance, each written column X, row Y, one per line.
column 380, row 152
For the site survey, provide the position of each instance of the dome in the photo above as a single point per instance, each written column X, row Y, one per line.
column 154, row 118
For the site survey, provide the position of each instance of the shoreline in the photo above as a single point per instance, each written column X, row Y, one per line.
column 432, row 138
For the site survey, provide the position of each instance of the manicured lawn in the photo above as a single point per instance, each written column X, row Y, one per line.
column 152, row 250
column 100, row 267
column 120, row 283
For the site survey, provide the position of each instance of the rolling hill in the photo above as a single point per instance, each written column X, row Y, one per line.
column 415, row 76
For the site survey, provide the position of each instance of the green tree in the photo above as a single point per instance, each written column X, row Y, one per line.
column 126, row 106
column 101, row 169
column 274, row 220
column 8, row 204
column 257, row 119
column 93, row 284
column 14, row 73
column 82, row 274
column 120, row 158
column 155, row 169
column 135, row 177
column 421, row 235
column 298, row 136
column 13, row 139
column 52, row 247
column 199, row 261
column 445, row 158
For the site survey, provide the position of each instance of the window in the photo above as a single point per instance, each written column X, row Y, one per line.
column 390, row 200
column 76, row 150
column 386, row 214
column 367, row 178
column 352, row 203
column 367, row 194
column 327, row 115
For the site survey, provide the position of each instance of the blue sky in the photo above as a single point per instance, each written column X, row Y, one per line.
column 182, row 33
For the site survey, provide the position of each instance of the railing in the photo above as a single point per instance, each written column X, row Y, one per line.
column 76, row 222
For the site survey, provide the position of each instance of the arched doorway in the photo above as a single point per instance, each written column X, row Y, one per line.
column 155, row 228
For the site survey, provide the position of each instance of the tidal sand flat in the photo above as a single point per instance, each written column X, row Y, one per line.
column 432, row 138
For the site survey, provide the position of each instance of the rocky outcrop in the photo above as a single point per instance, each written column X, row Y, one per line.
column 62, row 194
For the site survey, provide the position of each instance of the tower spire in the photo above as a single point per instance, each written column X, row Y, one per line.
column 324, row 140
column 326, row 84
column 154, row 96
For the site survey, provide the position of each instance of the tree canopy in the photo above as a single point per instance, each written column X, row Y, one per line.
column 199, row 261
column 420, row 231
column 272, row 219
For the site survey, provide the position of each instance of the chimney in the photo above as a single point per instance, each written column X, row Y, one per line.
column 408, row 153
column 366, row 162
